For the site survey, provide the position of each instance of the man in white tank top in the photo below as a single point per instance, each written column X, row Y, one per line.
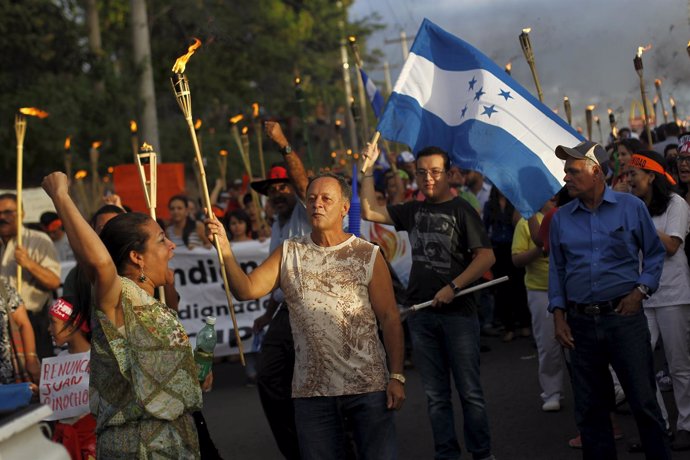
column 338, row 290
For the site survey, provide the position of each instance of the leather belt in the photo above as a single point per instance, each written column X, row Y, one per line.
column 594, row 309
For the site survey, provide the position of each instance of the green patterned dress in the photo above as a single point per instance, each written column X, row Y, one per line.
column 143, row 382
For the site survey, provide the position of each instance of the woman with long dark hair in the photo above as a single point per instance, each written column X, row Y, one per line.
column 143, row 374
column 668, row 310
column 183, row 230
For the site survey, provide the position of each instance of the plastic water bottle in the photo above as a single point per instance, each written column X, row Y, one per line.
column 205, row 343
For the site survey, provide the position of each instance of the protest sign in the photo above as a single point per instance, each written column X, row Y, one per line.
column 65, row 384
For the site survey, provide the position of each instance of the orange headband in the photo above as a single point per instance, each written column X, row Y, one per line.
column 54, row 225
column 643, row 162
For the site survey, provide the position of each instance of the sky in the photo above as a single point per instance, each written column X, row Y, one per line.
column 583, row 49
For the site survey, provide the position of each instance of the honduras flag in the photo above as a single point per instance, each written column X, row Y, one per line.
column 373, row 93
column 452, row 96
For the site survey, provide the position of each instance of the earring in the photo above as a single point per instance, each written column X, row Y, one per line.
column 142, row 277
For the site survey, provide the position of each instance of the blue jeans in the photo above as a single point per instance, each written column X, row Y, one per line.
column 445, row 344
column 622, row 341
column 321, row 426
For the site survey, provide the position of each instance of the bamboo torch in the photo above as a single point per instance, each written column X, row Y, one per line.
column 134, row 138
column 20, row 132
column 234, row 130
column 674, row 111
column 223, row 167
column 257, row 130
column 612, row 123
column 94, row 157
column 146, row 155
column 68, row 156
column 526, row 45
column 244, row 137
column 588, row 118
column 597, row 120
column 509, row 68
column 183, row 95
column 639, row 68
column 655, row 101
column 568, row 110
column 79, row 177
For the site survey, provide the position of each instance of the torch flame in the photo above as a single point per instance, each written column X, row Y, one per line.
column 197, row 124
column 298, row 80
column 146, row 147
column 133, row 126
column 610, row 111
column 111, row 169
column 642, row 49
column 255, row 110
column 96, row 144
column 591, row 107
column 509, row 66
column 673, row 102
column 527, row 30
column 596, row 119
column 245, row 130
column 236, row 118
column 352, row 39
column 338, row 123
column 181, row 62
column 657, row 82
column 223, row 153
column 565, row 99
column 80, row 174
column 68, row 142
column 33, row 111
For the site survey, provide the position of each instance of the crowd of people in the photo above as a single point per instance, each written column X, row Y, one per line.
column 598, row 278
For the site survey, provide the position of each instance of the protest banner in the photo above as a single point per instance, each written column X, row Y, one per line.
column 65, row 384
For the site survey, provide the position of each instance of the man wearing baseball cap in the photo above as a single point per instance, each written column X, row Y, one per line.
column 598, row 243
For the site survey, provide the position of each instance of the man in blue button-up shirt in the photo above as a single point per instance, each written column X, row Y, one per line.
column 605, row 258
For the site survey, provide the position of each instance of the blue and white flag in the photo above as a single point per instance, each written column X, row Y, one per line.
column 373, row 93
column 450, row 95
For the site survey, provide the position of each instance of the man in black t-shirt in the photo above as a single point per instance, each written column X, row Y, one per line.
column 450, row 250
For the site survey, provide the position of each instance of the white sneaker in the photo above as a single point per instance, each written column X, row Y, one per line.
column 551, row 406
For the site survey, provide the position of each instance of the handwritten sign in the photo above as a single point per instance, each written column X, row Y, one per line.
column 65, row 384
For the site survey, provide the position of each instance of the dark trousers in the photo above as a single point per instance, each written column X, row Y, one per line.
column 274, row 380
column 511, row 296
column 44, row 342
column 622, row 341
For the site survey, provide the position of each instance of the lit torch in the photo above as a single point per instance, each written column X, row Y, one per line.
column 598, row 122
column 639, row 68
column 257, row 130
column 68, row 156
column 657, row 85
column 655, row 101
column 20, row 132
column 134, row 138
column 526, row 45
column 674, row 111
column 94, row 156
column 223, row 167
column 509, row 67
column 183, row 95
column 79, row 177
column 238, row 140
column 612, row 123
column 588, row 118
column 568, row 110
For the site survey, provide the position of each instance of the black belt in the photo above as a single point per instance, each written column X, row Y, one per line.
column 598, row 308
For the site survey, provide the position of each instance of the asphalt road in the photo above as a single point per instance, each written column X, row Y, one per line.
column 519, row 428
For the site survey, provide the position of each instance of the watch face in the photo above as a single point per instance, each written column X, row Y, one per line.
column 287, row 149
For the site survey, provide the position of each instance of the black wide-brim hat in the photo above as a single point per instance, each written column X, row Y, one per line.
column 276, row 175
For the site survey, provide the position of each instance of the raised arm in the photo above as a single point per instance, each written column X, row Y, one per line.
column 370, row 209
column 262, row 280
column 86, row 245
column 295, row 167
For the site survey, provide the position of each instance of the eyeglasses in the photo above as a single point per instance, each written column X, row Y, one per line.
column 683, row 159
column 435, row 173
column 8, row 213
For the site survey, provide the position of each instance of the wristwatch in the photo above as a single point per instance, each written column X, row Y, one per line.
column 644, row 290
column 285, row 150
column 399, row 377
column 455, row 287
